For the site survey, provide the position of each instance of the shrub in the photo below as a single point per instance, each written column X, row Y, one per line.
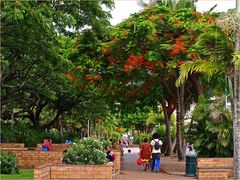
column 8, row 163
column 211, row 130
column 24, row 133
column 87, row 151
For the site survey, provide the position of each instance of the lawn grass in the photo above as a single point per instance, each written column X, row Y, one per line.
column 25, row 174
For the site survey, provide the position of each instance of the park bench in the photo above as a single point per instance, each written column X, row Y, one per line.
column 214, row 168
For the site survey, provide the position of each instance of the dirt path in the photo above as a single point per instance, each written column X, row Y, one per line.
column 170, row 169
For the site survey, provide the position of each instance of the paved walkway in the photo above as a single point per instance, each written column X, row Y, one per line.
column 171, row 169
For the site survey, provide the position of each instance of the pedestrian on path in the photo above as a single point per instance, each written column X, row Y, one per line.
column 145, row 152
column 156, row 144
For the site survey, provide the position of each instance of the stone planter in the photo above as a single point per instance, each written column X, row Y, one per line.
column 73, row 172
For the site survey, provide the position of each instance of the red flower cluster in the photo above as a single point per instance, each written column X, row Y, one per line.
column 193, row 55
column 133, row 62
column 193, row 36
column 149, row 65
column 178, row 47
column 133, row 92
column 160, row 16
column 106, row 52
column 91, row 78
column 111, row 60
column 72, row 76
column 210, row 20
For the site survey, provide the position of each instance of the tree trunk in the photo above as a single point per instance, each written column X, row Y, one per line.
column 34, row 120
column 179, row 123
column 35, row 116
column 196, row 84
column 169, row 151
column 51, row 123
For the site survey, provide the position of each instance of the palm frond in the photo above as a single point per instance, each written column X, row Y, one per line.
column 228, row 23
column 209, row 68
column 215, row 45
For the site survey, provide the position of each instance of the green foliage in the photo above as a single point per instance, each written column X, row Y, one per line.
column 161, row 129
column 211, row 131
column 23, row 133
column 136, row 119
column 36, row 38
column 87, row 151
column 116, row 136
column 139, row 138
column 8, row 163
column 154, row 118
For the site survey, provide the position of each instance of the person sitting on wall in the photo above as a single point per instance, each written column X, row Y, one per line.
column 110, row 154
column 47, row 145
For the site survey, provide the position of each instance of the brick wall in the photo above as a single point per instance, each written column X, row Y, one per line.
column 60, row 172
column 42, row 172
column 56, row 147
column 32, row 158
column 57, row 171
column 214, row 168
column 117, row 162
column 11, row 145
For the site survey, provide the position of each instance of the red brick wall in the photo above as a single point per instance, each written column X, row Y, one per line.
column 11, row 145
column 32, row 158
column 42, row 172
column 57, row 171
column 57, row 147
column 214, row 168
column 60, row 172
column 117, row 162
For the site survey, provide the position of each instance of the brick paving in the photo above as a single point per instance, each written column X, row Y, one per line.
column 171, row 169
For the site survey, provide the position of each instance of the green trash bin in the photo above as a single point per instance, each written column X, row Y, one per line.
column 191, row 163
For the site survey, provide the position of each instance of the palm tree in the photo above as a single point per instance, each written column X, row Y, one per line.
column 220, row 54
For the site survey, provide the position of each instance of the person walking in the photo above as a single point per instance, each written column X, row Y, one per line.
column 156, row 145
column 145, row 152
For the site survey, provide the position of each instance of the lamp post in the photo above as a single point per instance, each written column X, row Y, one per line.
column 236, row 114
column 99, row 128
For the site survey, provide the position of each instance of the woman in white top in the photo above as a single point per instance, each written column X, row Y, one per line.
column 156, row 144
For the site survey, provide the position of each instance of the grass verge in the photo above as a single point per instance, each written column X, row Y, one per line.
column 25, row 174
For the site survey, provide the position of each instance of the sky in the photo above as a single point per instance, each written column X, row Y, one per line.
column 123, row 8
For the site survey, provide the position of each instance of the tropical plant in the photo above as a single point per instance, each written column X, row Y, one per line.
column 211, row 132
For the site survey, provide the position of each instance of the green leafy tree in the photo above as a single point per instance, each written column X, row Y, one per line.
column 34, row 63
